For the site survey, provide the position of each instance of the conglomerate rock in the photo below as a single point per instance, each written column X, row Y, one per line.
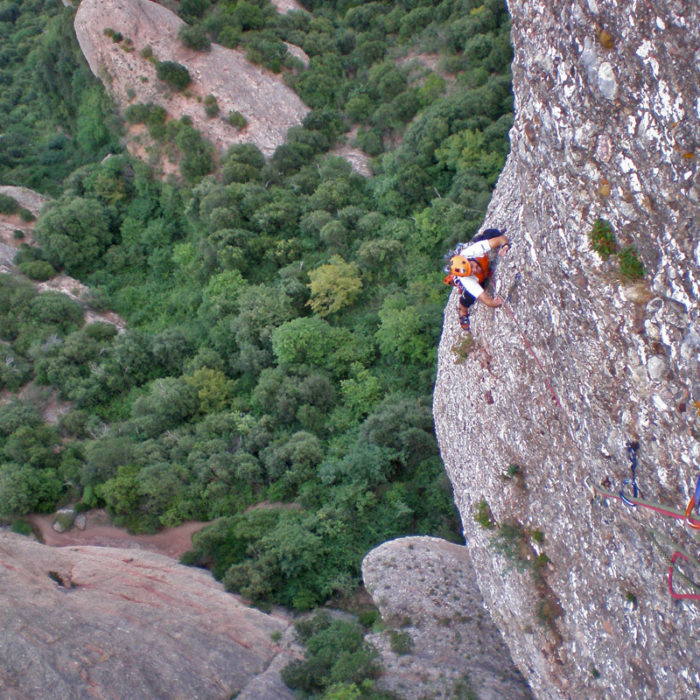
column 269, row 106
column 101, row 622
column 440, row 643
column 606, row 127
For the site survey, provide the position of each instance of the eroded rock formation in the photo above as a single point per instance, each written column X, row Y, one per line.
column 269, row 106
column 606, row 127
column 440, row 642
column 85, row 622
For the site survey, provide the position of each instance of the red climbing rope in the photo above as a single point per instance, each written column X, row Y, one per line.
column 529, row 347
column 678, row 596
column 670, row 512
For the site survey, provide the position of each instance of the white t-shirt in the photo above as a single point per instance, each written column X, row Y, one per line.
column 470, row 283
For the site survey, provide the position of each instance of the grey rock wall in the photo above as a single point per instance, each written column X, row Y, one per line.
column 606, row 126
column 439, row 642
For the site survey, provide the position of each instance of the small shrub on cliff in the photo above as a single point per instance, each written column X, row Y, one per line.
column 175, row 74
column 8, row 205
column 602, row 239
column 483, row 515
column 195, row 37
column 631, row 267
column 211, row 107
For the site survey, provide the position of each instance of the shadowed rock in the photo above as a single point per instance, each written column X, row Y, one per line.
column 426, row 590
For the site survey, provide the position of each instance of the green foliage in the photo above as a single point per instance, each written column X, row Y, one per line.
column 211, row 107
column 74, row 233
column 38, row 270
column 336, row 653
column 173, row 73
column 631, row 267
column 236, row 119
column 194, row 37
column 8, row 205
column 483, row 515
column 400, row 642
column 334, row 286
column 225, row 392
column 602, row 238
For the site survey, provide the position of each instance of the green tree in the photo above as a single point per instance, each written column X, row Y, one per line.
column 74, row 234
column 334, row 286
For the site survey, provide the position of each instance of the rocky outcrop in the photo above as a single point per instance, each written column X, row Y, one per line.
column 606, row 127
column 269, row 106
column 86, row 622
column 440, row 643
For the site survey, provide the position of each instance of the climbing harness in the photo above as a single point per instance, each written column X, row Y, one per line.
column 632, row 448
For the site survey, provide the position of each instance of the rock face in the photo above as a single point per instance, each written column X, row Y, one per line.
column 426, row 590
column 269, row 106
column 90, row 622
column 606, row 127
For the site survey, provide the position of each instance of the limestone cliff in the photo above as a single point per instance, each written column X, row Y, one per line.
column 87, row 622
column 606, row 127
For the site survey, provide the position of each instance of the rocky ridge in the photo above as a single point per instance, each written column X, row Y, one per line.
column 607, row 116
column 269, row 106
column 440, row 642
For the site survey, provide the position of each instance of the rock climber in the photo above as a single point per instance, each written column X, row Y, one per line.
column 468, row 271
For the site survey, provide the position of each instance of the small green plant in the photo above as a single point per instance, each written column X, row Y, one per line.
column 26, row 215
column 147, row 52
column 237, row 120
column 631, row 267
column 276, row 636
column 116, row 37
column 547, row 611
column 401, row 642
column 18, row 234
column 463, row 347
column 595, row 673
column 484, row 516
column 8, row 205
column 211, row 108
column 631, row 598
column 602, row 238
column 537, row 536
column 463, row 690
column 21, row 527
column 512, row 541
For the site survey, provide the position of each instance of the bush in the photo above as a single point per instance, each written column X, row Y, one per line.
column 175, row 74
column 237, row 119
column 336, row 652
column 631, row 267
column 194, row 37
column 8, row 205
column 602, row 238
column 38, row 270
column 211, row 108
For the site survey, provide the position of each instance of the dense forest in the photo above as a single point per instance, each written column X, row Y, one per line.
column 282, row 315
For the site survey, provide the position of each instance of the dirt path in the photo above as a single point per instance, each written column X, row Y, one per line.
column 172, row 541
